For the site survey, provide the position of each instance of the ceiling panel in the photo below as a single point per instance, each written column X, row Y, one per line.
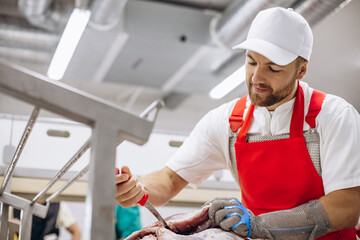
column 148, row 63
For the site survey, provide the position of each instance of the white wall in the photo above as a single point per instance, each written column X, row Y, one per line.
column 41, row 150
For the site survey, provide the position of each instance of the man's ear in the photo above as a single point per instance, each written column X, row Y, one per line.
column 302, row 70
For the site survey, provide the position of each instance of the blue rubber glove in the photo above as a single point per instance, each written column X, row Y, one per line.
column 305, row 222
column 230, row 215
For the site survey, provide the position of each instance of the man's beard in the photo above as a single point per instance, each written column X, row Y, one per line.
column 271, row 97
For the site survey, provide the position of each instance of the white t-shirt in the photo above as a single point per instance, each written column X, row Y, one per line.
column 65, row 217
column 338, row 123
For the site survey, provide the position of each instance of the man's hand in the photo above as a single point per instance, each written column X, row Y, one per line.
column 231, row 215
column 305, row 222
column 129, row 190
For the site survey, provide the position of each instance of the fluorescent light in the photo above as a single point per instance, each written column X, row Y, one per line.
column 68, row 42
column 231, row 82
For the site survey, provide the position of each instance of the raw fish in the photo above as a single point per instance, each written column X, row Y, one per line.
column 187, row 226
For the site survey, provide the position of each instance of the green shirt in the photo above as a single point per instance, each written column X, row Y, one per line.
column 127, row 221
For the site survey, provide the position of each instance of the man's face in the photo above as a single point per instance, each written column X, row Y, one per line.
column 269, row 84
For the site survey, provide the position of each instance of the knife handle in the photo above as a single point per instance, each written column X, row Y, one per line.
column 143, row 199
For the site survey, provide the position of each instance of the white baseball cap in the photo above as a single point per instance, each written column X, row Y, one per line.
column 279, row 34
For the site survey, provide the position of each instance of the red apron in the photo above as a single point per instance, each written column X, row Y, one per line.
column 279, row 174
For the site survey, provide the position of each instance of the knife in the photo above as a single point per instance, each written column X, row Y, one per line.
column 146, row 203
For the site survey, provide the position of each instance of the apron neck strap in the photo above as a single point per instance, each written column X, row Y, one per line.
column 297, row 119
column 243, row 130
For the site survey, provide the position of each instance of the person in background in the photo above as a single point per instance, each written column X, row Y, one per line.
column 127, row 221
column 58, row 215
column 293, row 150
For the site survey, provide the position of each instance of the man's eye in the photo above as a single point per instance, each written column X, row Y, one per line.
column 273, row 70
column 252, row 63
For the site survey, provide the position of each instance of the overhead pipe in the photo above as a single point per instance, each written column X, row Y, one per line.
column 316, row 10
column 40, row 14
column 22, row 44
column 235, row 22
column 105, row 14
column 44, row 15
column 232, row 26
column 34, row 7
column 28, row 38
column 24, row 55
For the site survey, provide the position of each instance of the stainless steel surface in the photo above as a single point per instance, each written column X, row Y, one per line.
column 20, row 148
column 99, row 205
column 25, row 224
column 151, row 208
column 13, row 229
column 152, row 108
column 4, row 215
column 110, row 123
column 72, row 103
column 4, row 221
column 20, row 203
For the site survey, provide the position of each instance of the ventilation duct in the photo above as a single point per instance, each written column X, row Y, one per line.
column 40, row 14
column 105, row 14
column 25, row 55
column 21, row 43
column 27, row 37
column 34, row 7
column 234, row 24
column 232, row 27
column 314, row 10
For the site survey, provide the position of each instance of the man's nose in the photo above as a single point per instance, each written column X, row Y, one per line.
column 258, row 76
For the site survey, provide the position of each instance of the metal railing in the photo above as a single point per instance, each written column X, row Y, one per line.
column 110, row 124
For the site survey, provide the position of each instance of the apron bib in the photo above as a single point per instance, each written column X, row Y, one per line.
column 279, row 174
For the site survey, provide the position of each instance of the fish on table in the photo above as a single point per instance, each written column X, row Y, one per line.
column 185, row 226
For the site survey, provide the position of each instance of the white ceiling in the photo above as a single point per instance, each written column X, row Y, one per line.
column 160, row 46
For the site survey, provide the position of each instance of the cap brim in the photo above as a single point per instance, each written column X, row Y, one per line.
column 272, row 52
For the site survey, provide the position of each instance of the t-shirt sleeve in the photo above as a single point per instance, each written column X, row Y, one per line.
column 339, row 128
column 206, row 149
column 65, row 217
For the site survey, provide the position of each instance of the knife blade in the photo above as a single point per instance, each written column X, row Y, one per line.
column 146, row 203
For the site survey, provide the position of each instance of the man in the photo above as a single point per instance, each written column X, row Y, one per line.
column 292, row 149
